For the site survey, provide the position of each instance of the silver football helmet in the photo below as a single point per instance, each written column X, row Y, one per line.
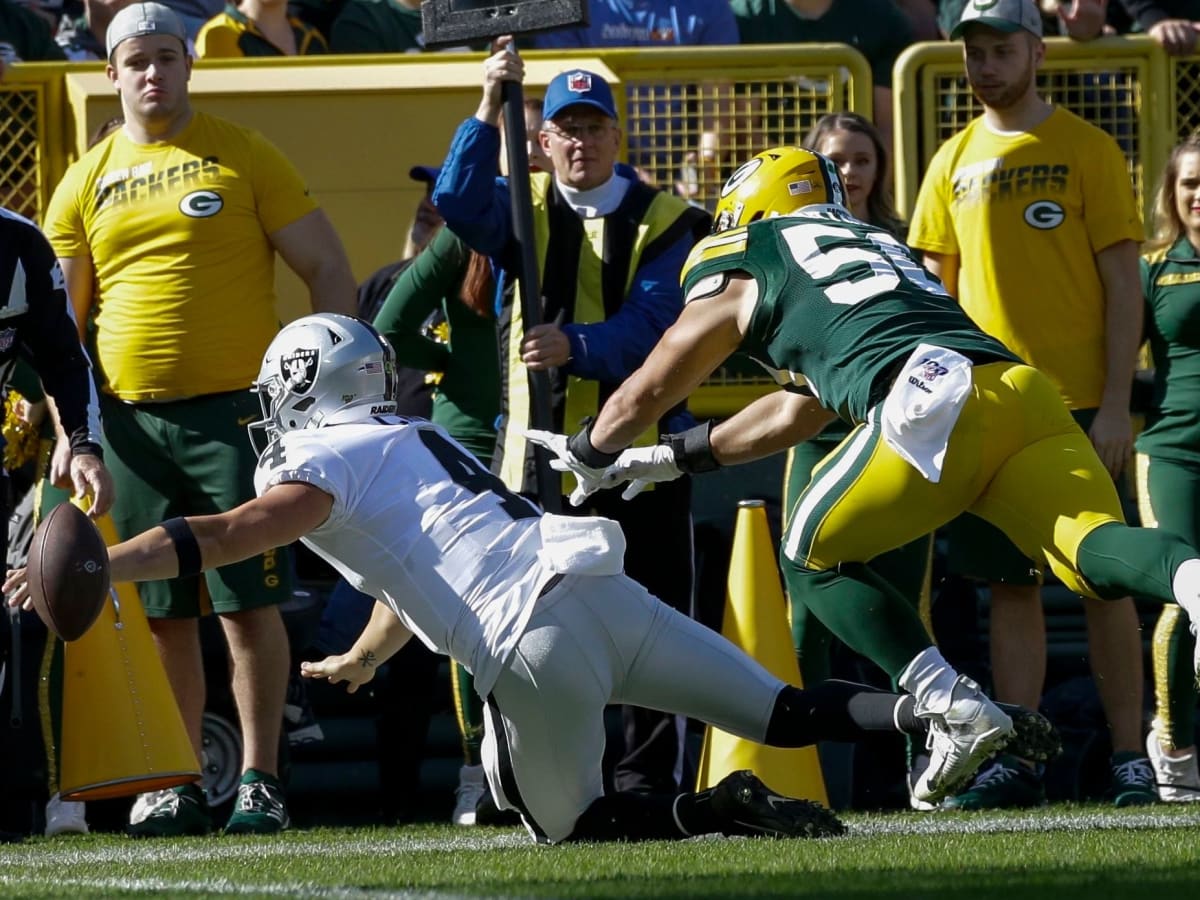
column 323, row 369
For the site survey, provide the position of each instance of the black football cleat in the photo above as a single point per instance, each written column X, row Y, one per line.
column 1034, row 737
column 746, row 806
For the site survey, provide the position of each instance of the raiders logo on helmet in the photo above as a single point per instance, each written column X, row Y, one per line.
column 299, row 370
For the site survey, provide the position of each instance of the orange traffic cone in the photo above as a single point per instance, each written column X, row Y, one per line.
column 756, row 621
column 122, row 733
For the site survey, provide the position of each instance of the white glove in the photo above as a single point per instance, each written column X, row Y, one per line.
column 642, row 467
column 587, row 479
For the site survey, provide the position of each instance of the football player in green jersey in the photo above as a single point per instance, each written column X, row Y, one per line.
column 946, row 420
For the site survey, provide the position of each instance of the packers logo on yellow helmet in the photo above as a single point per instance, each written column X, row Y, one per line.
column 777, row 182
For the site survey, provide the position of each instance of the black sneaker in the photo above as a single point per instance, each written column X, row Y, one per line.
column 1034, row 737
column 1133, row 780
column 746, row 806
column 1004, row 783
column 180, row 811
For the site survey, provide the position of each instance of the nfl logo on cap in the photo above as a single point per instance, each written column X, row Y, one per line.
column 579, row 82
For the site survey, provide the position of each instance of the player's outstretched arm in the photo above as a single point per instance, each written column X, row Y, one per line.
column 770, row 424
column 380, row 640
column 705, row 334
column 285, row 513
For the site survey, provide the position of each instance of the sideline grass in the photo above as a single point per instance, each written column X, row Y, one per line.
column 1063, row 852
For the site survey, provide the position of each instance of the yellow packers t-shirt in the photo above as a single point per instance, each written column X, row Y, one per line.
column 1026, row 213
column 177, row 232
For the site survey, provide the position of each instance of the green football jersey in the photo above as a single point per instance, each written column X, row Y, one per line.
column 841, row 304
column 1171, row 285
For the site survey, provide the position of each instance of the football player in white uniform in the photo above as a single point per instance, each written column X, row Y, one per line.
column 534, row 605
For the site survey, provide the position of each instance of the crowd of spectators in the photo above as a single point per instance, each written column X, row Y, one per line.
column 464, row 278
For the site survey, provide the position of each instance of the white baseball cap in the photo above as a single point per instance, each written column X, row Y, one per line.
column 1003, row 15
column 139, row 19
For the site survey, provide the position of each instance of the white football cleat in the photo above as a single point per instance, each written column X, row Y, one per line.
column 145, row 804
column 471, row 788
column 64, row 817
column 960, row 740
column 1178, row 777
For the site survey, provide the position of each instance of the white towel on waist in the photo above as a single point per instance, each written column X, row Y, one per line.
column 923, row 405
column 582, row 545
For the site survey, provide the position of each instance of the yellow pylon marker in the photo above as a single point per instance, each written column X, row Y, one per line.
column 122, row 732
column 756, row 621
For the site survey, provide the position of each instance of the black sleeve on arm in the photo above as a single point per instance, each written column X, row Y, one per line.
column 50, row 340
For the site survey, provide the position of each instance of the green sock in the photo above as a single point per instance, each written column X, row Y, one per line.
column 864, row 611
column 1119, row 561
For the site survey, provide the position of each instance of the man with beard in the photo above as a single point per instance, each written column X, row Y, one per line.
column 1044, row 202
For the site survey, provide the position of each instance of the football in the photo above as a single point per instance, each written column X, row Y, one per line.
column 67, row 572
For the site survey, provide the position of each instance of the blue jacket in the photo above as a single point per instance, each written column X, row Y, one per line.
column 475, row 203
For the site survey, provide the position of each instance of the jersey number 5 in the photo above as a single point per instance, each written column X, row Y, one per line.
column 850, row 274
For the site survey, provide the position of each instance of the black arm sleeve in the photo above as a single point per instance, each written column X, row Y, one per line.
column 49, row 339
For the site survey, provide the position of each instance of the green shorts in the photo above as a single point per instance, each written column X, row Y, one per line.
column 190, row 458
column 978, row 549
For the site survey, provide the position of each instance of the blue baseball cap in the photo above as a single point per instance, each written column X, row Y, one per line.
column 578, row 87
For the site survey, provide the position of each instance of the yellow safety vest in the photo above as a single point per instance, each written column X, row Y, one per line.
column 587, row 267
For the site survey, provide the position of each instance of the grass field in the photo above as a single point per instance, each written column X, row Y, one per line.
column 1061, row 852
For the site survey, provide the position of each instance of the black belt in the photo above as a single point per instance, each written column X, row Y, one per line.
column 550, row 585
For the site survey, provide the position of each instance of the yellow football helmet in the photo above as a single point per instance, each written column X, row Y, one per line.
column 777, row 182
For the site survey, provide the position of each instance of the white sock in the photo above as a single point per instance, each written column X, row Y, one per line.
column 929, row 678
column 1186, row 587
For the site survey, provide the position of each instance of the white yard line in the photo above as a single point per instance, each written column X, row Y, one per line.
column 1041, row 820
column 225, row 886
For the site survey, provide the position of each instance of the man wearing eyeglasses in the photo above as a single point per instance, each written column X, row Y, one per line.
column 610, row 250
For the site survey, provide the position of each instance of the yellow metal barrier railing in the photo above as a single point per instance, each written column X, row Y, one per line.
column 32, row 143
column 1183, row 78
column 691, row 114
column 695, row 114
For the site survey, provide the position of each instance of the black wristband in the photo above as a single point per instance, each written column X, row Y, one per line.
column 693, row 449
column 86, row 448
column 187, row 548
column 580, row 445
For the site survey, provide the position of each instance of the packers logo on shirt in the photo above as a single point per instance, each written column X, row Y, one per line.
column 201, row 204
column 299, row 369
column 1044, row 214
